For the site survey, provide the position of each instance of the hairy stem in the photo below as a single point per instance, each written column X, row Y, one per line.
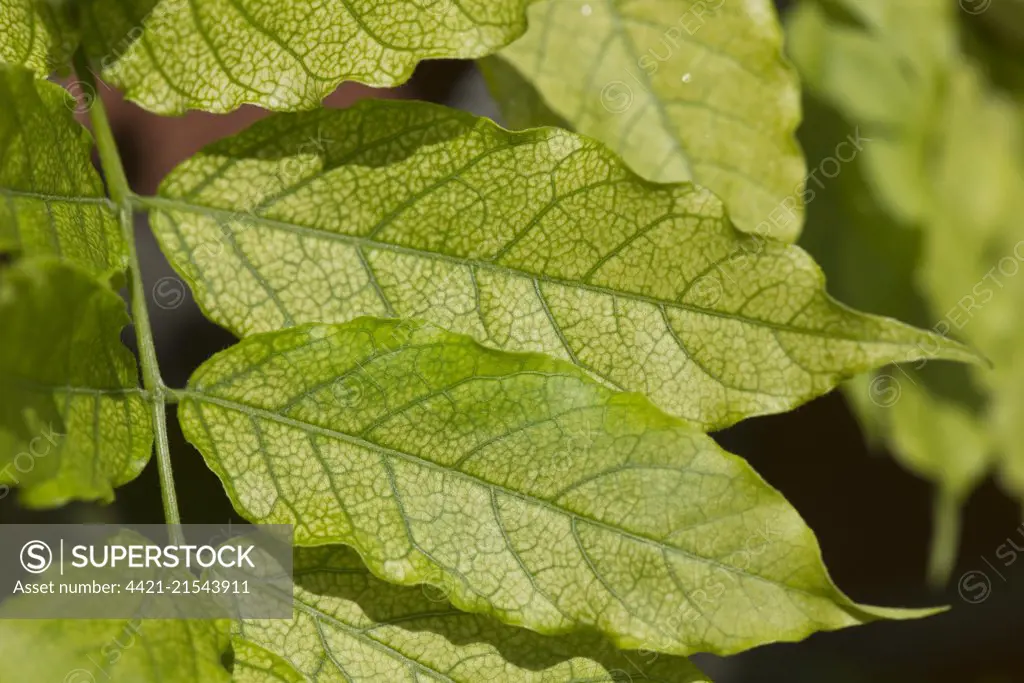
column 121, row 193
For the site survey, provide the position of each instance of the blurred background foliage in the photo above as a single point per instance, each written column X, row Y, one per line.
column 925, row 224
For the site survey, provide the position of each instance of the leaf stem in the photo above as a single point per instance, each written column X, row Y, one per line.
column 945, row 538
column 121, row 193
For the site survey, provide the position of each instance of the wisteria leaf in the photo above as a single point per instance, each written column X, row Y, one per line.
column 73, row 422
column 682, row 89
column 52, row 201
column 515, row 483
column 533, row 241
column 286, row 55
column 350, row 625
column 36, row 34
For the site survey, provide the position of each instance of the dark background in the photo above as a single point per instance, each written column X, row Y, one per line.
column 871, row 517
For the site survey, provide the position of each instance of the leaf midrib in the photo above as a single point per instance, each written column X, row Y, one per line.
column 65, row 199
column 168, row 205
column 256, row 412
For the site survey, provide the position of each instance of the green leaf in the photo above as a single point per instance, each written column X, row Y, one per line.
column 534, row 241
column 52, row 201
column 288, row 55
column 515, row 483
column 73, row 422
column 115, row 650
column 352, row 626
column 683, row 90
column 120, row 651
column 36, row 34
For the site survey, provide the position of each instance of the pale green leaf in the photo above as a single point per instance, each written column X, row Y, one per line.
column 534, row 241
column 515, row 483
column 286, row 55
column 351, row 626
column 36, row 34
column 73, row 421
column 52, row 200
column 682, row 89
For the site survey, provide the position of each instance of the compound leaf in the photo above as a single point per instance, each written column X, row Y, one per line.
column 52, row 201
column 682, row 89
column 534, row 241
column 73, row 422
column 287, row 55
column 350, row 625
column 515, row 483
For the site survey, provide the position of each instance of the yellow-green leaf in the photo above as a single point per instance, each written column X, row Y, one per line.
column 533, row 241
column 36, row 34
column 682, row 89
column 287, row 55
column 515, row 483
column 350, row 625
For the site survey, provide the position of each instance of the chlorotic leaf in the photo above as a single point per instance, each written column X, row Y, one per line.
column 682, row 89
column 290, row 54
column 73, row 422
column 515, row 483
column 52, row 201
column 36, row 34
column 350, row 625
column 533, row 241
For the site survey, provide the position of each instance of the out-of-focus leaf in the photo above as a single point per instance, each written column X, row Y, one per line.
column 288, row 55
column 936, row 211
column 73, row 422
